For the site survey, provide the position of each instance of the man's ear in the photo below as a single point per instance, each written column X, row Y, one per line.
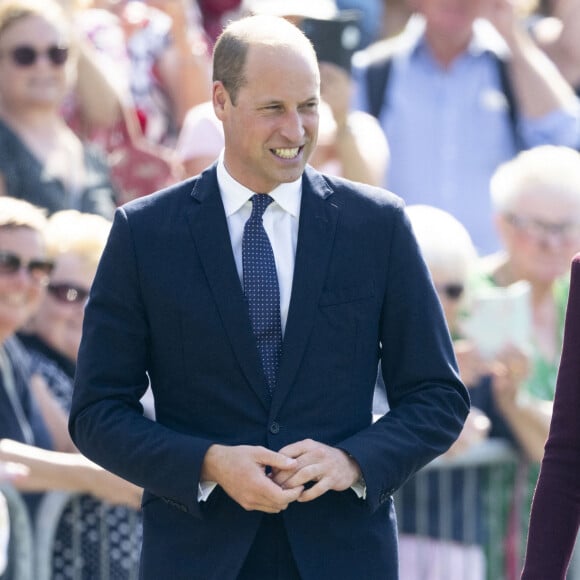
column 220, row 98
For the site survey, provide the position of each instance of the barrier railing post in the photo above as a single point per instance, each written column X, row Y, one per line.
column 21, row 546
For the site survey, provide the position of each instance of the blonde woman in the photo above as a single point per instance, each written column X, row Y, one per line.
column 88, row 526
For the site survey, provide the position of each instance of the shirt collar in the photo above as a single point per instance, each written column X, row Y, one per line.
column 235, row 195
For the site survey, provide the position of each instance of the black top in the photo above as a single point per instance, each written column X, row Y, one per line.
column 24, row 177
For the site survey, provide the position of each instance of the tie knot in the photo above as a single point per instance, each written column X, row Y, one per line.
column 260, row 202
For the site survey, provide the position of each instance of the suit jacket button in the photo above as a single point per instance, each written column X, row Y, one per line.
column 274, row 428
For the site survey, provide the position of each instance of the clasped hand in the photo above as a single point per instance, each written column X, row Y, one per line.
column 264, row 480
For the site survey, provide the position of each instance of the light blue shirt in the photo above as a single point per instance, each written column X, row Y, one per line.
column 448, row 129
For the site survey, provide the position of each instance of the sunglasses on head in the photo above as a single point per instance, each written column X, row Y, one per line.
column 26, row 55
column 451, row 291
column 39, row 268
column 68, row 293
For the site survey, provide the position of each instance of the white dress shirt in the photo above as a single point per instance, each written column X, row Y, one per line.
column 281, row 224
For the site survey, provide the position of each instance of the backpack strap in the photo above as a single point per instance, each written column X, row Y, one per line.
column 377, row 78
column 507, row 90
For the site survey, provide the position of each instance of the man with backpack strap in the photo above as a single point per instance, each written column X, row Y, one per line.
column 462, row 89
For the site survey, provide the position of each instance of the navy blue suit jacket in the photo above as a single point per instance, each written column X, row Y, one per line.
column 167, row 307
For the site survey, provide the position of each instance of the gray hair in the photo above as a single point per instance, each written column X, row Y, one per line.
column 444, row 241
column 231, row 49
column 545, row 170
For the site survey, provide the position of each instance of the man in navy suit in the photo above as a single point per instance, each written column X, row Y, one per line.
column 245, row 478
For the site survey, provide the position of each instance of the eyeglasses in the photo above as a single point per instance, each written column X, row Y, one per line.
column 39, row 269
column 539, row 229
column 68, row 293
column 451, row 291
column 26, row 55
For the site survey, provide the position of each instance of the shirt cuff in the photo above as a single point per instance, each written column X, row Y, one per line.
column 360, row 488
column 204, row 489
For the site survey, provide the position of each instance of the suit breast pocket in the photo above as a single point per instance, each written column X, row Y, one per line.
column 344, row 314
column 346, row 294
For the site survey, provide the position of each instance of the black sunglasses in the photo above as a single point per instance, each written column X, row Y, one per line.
column 68, row 293
column 26, row 55
column 451, row 291
column 39, row 269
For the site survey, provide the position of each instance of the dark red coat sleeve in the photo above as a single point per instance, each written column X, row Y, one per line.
column 555, row 513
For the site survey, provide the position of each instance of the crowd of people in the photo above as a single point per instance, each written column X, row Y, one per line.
column 468, row 111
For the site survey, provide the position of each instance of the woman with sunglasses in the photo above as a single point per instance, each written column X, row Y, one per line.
column 52, row 337
column 24, row 271
column 41, row 159
column 451, row 259
column 32, row 427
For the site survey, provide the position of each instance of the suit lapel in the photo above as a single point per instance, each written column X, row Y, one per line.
column 209, row 229
column 318, row 219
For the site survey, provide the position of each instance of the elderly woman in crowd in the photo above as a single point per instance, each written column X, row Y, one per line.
column 451, row 257
column 33, row 430
column 41, row 159
column 536, row 201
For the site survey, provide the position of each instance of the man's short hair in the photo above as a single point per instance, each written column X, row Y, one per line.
column 231, row 48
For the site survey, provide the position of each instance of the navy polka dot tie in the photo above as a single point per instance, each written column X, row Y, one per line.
column 261, row 289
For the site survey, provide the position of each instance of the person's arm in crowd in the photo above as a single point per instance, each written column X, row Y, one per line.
column 185, row 66
column 98, row 100
column 52, row 470
column 472, row 368
column 12, row 472
column 527, row 416
column 53, row 414
column 559, row 37
column 475, row 430
column 360, row 143
column 538, row 85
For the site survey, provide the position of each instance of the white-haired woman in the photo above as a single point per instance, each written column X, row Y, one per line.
column 536, row 203
column 451, row 257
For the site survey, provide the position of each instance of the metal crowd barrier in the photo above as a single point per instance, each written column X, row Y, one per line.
column 483, row 486
column 32, row 541
column 487, row 474
column 21, row 545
